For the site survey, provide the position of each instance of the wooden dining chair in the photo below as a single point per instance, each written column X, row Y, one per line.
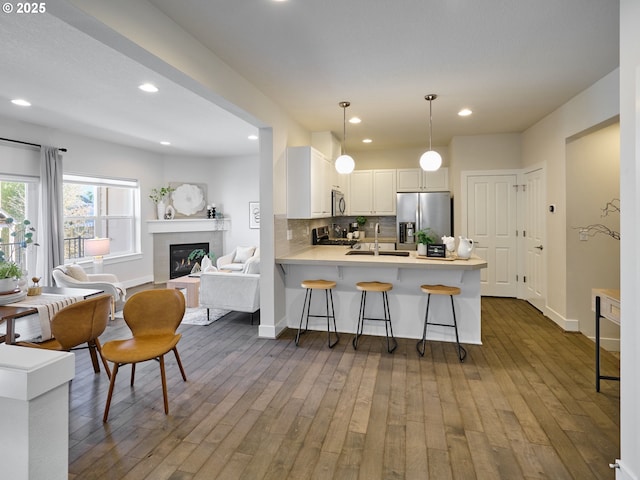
column 153, row 317
column 79, row 323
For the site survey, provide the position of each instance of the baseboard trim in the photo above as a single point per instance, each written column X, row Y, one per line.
column 272, row 331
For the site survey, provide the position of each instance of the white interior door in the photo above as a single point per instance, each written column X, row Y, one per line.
column 492, row 224
column 534, row 235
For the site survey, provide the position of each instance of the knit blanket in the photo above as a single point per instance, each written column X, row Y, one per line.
column 47, row 305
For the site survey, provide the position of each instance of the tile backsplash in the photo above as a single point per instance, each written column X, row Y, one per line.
column 300, row 230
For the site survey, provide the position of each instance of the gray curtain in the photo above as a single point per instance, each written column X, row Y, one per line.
column 51, row 238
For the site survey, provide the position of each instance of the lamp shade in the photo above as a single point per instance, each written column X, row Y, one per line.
column 96, row 247
column 345, row 164
column 430, row 161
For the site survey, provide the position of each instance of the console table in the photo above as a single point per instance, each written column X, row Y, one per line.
column 605, row 303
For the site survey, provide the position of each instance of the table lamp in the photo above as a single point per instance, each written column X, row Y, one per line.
column 97, row 248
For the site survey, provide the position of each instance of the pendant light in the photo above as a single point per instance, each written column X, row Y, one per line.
column 430, row 160
column 344, row 163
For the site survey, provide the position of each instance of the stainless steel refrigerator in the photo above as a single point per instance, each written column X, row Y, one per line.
column 418, row 210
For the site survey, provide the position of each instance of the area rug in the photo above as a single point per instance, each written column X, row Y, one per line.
column 197, row 316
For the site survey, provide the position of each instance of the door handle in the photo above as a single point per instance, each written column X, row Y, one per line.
column 539, row 247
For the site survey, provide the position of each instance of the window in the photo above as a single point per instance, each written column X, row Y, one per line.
column 18, row 200
column 99, row 207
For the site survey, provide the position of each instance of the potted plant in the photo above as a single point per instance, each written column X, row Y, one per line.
column 10, row 273
column 198, row 254
column 361, row 221
column 424, row 237
column 158, row 196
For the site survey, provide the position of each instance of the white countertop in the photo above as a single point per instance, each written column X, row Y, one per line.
column 335, row 256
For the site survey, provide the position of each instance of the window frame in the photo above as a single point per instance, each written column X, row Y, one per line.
column 99, row 217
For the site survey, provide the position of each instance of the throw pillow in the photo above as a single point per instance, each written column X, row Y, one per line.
column 243, row 254
column 252, row 265
column 77, row 272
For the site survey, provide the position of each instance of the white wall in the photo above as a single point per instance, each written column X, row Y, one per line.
column 231, row 184
column 545, row 143
column 480, row 152
column 593, row 179
column 630, row 266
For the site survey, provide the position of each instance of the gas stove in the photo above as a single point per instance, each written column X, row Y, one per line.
column 320, row 236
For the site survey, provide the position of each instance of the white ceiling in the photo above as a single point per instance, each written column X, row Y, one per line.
column 511, row 62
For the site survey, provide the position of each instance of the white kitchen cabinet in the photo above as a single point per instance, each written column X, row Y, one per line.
column 372, row 192
column 309, row 180
column 417, row 180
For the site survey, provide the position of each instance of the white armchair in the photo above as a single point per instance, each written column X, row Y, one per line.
column 238, row 292
column 237, row 261
column 74, row 276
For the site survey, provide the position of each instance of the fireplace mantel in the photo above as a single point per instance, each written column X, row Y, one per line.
column 181, row 225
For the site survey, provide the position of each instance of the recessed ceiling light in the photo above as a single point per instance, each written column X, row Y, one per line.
column 21, row 102
column 148, row 87
column 367, row 140
column 354, row 120
column 253, row 137
column 465, row 112
column 164, row 142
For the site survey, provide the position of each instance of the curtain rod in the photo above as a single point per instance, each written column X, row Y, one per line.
column 27, row 143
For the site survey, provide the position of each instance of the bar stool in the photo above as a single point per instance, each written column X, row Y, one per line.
column 382, row 287
column 440, row 290
column 327, row 286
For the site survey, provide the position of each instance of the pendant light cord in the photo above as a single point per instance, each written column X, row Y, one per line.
column 430, row 125
column 344, row 130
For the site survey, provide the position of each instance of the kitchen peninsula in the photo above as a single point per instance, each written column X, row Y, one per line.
column 407, row 303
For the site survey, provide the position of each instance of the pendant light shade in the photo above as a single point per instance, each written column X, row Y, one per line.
column 430, row 161
column 344, row 163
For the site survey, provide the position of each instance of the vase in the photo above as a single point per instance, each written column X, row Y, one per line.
column 162, row 208
column 422, row 249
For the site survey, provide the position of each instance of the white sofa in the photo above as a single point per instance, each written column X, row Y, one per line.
column 74, row 276
column 238, row 292
column 242, row 259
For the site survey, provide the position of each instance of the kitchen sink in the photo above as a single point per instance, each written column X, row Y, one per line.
column 394, row 253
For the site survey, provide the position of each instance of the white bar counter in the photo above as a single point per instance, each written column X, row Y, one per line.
column 407, row 303
column 34, row 401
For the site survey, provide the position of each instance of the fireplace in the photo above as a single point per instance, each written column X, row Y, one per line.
column 179, row 263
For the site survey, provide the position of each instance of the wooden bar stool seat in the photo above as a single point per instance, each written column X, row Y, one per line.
column 327, row 286
column 383, row 288
column 440, row 290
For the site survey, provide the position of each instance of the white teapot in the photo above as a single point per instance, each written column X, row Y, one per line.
column 465, row 247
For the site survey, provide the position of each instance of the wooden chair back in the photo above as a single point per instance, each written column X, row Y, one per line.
column 81, row 322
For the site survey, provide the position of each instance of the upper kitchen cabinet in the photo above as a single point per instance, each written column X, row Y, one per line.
column 417, row 180
column 372, row 192
column 309, row 182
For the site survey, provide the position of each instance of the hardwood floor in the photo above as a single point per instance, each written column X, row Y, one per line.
column 523, row 405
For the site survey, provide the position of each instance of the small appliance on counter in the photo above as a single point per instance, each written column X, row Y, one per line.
column 320, row 236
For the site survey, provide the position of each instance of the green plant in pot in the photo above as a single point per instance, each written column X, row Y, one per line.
column 361, row 221
column 198, row 255
column 424, row 237
column 10, row 273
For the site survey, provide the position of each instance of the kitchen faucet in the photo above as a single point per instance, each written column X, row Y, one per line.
column 376, row 246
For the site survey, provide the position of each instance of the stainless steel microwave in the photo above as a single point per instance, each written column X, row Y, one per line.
column 338, row 204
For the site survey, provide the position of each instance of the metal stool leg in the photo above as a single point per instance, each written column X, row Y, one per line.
column 424, row 331
column 387, row 322
column 306, row 305
column 329, row 294
column 462, row 353
column 360, row 326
